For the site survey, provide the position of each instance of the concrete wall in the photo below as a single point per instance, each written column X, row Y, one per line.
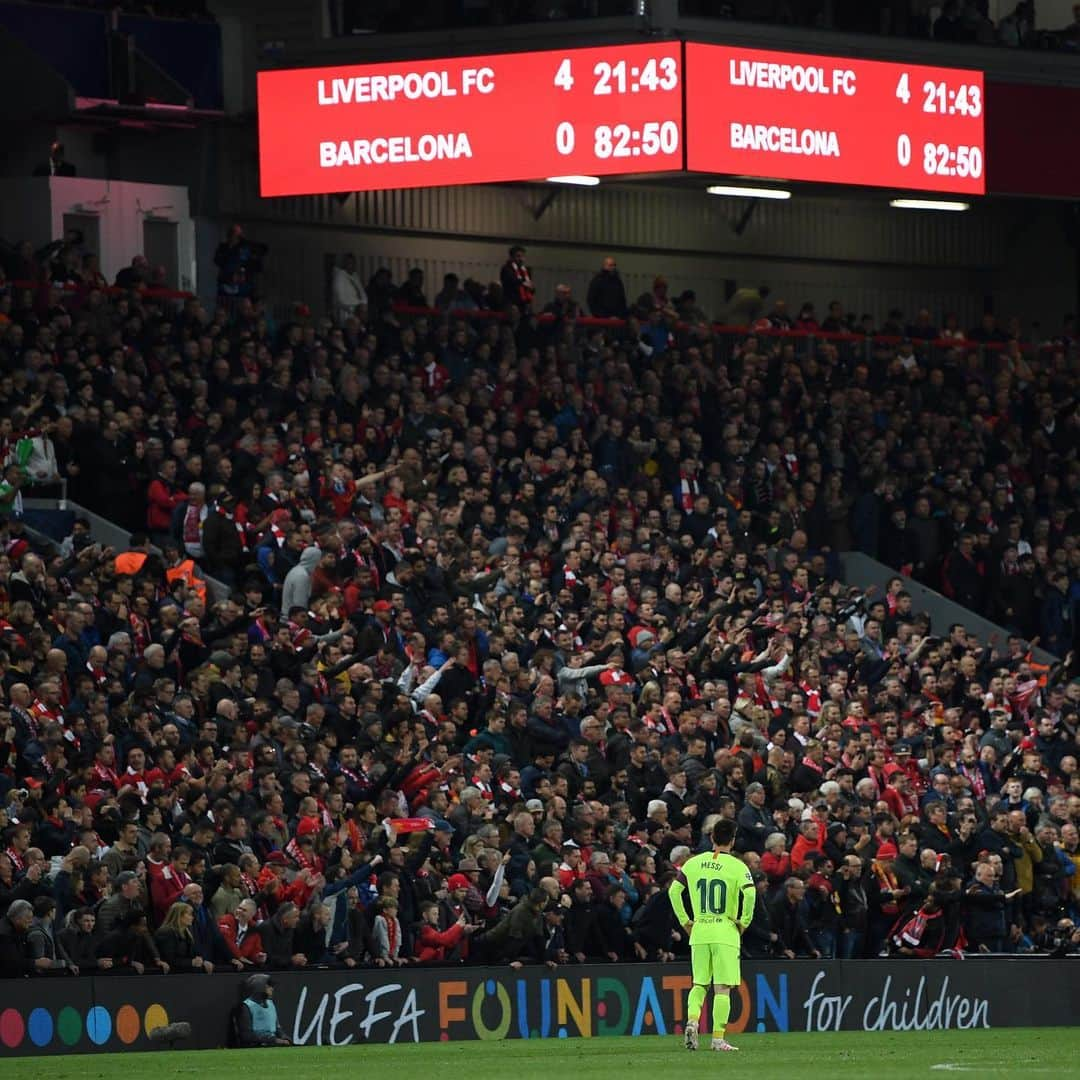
column 861, row 570
column 818, row 246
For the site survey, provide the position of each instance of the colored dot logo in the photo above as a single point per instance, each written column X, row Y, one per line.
column 69, row 1025
column 98, row 1025
column 12, row 1028
column 128, row 1024
column 40, row 1029
column 156, row 1016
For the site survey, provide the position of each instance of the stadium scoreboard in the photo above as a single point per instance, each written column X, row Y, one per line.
column 621, row 109
column 472, row 120
column 800, row 117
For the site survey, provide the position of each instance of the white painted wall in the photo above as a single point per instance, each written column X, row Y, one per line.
column 34, row 208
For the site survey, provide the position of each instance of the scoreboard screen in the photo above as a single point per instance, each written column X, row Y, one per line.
column 793, row 116
column 622, row 109
column 472, row 120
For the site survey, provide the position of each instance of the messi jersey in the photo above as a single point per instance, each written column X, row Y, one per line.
column 718, row 891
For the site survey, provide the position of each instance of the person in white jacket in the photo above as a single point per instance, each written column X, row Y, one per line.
column 296, row 589
column 348, row 292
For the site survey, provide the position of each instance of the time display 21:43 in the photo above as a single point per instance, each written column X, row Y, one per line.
column 941, row 98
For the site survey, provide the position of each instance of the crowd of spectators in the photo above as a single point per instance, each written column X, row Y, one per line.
column 955, row 22
column 165, row 9
column 514, row 606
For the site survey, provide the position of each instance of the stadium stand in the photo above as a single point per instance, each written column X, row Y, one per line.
column 519, row 595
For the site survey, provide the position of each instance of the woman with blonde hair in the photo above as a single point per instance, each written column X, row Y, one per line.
column 176, row 943
column 472, row 847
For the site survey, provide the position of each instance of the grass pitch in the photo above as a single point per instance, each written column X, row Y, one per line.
column 1051, row 1052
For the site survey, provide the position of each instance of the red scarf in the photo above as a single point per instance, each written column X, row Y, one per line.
column 974, row 777
column 106, row 776
column 392, row 926
column 296, row 853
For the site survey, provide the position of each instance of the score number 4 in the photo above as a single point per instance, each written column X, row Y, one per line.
column 619, row 77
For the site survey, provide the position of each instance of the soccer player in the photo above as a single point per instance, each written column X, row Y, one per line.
column 720, row 906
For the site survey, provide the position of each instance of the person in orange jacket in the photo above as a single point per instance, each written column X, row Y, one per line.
column 811, row 838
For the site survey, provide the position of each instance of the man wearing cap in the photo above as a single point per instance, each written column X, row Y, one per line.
column 474, row 897
column 452, row 910
column 379, row 632
column 835, row 842
column 885, row 896
column 572, row 867
column 755, row 821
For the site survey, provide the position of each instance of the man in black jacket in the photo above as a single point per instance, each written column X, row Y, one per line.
column 80, row 940
column 607, row 295
column 278, row 936
column 654, row 927
column 850, row 888
column 15, row 959
column 755, row 821
column 759, row 940
column 984, row 911
column 584, row 941
column 519, row 935
column 910, row 871
column 790, row 923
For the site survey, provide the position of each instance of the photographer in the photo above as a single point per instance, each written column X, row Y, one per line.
column 1061, row 939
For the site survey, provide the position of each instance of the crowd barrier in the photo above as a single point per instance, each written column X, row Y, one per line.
column 860, row 346
column 64, row 1015
column 79, row 292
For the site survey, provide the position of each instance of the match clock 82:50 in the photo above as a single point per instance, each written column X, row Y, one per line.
column 622, row 140
column 941, row 159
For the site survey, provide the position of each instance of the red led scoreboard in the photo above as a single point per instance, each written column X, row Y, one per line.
column 621, row 109
column 471, row 120
column 798, row 117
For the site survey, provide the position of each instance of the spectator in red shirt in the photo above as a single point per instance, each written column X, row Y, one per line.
column 811, row 838
column 433, row 945
column 163, row 496
column 240, row 934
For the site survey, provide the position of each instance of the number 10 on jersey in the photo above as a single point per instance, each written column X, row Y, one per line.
column 712, row 896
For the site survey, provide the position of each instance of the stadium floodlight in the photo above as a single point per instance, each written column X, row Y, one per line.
column 930, row 204
column 738, row 192
column 576, row 181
